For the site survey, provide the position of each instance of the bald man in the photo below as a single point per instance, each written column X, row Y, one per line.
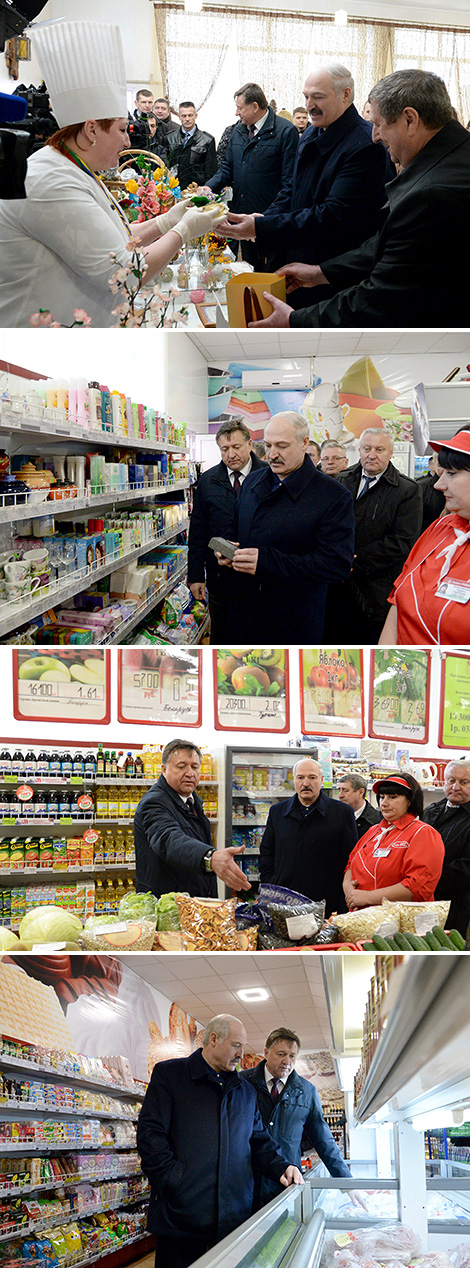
column 199, row 1135
column 308, row 839
column 451, row 817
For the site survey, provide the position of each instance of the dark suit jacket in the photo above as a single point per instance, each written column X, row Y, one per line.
column 303, row 527
column 388, row 522
column 170, row 844
column 454, row 827
column 195, row 161
column 416, row 271
column 257, row 169
column 367, row 819
column 309, row 853
column 212, row 514
column 336, row 198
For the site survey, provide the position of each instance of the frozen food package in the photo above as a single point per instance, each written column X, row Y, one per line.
column 460, row 1256
column 207, row 924
column 357, row 926
column 410, row 915
column 391, row 1241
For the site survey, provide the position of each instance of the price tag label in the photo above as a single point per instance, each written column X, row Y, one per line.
column 120, row 928
column 45, row 947
column 66, row 819
column 76, row 779
column 62, row 686
column 10, row 779
column 156, row 685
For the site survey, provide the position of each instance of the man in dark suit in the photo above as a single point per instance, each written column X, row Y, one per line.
column 387, row 512
column 308, row 839
column 295, row 529
column 352, row 790
column 212, row 513
column 258, row 161
column 191, row 150
column 336, row 197
column 166, row 126
column 173, row 843
column 400, row 276
column 451, row 817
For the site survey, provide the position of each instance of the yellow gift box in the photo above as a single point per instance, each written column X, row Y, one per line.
column 245, row 299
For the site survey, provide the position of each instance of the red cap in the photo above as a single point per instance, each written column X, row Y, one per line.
column 392, row 779
column 460, row 442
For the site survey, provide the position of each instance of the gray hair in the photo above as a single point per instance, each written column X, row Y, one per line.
column 357, row 782
column 333, row 444
column 307, row 759
column 219, row 1026
column 341, row 77
column 458, row 761
column 421, row 89
column 299, row 423
column 376, row 431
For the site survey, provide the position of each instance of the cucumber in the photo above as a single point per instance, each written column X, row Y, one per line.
column 442, row 938
column 417, row 943
column 431, row 942
column 402, row 942
column 379, row 943
column 457, row 941
column 368, row 946
column 392, row 945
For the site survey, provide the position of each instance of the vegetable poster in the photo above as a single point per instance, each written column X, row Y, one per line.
column 454, row 717
column 399, row 694
column 160, row 685
column 251, row 689
column 331, row 691
column 62, row 685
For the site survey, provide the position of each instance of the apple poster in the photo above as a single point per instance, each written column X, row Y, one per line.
column 63, row 685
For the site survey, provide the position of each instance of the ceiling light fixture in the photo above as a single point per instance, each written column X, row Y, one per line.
column 253, row 995
column 341, row 17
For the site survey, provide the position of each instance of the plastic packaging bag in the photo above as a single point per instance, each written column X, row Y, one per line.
column 207, row 924
column 358, row 926
column 168, row 917
column 407, row 914
column 391, row 1241
column 133, row 906
column 102, row 933
column 295, row 918
column 329, row 933
column 460, row 1256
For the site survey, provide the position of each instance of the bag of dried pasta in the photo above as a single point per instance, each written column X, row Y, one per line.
column 207, row 924
column 418, row 917
column 359, row 926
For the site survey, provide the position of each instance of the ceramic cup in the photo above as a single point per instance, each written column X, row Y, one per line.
column 17, row 571
column 37, row 558
column 16, row 593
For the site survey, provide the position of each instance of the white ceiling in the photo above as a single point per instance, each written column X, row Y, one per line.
column 231, row 345
column 206, row 985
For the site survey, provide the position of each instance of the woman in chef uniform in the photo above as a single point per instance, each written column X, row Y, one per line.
column 401, row 857
column 56, row 244
column 430, row 601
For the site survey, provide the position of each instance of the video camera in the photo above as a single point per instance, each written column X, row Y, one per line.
column 14, row 147
column 17, row 143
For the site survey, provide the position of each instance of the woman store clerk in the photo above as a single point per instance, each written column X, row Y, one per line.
column 430, row 601
column 399, row 858
column 57, row 244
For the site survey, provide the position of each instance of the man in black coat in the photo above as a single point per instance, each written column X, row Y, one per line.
column 214, row 501
column 191, row 150
column 401, row 277
column 308, row 839
column 138, row 122
column 336, row 197
column 166, row 126
column 173, row 843
column 199, row 1135
column 451, row 817
column 352, row 791
column 295, row 529
column 258, row 161
column 388, row 513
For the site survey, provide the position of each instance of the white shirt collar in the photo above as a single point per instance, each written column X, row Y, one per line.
column 259, row 122
column 357, row 813
column 242, row 473
column 270, row 1078
column 374, row 480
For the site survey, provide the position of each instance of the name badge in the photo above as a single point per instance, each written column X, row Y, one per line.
column 456, row 591
column 381, row 852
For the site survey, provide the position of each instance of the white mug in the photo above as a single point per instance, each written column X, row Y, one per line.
column 36, row 558
column 16, row 592
column 16, row 571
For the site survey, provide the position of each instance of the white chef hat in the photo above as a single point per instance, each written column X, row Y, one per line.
column 83, row 67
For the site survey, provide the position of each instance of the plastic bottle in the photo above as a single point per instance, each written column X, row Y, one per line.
column 106, row 409
column 29, row 768
column 5, row 762
column 54, row 764
column 134, row 798
column 100, row 762
column 90, row 765
column 129, row 845
column 109, row 848
column 52, row 804
column 102, row 803
column 42, row 763
column 17, row 763
column 113, row 802
column 114, row 766
column 99, row 898
column 4, row 806
column 157, row 762
column 78, row 764
column 40, row 804
column 66, row 765
column 107, row 763
column 124, row 807
column 119, row 847
column 120, row 892
column 65, row 803
column 94, row 403
column 130, row 767
column 116, row 413
column 98, row 852
column 75, row 810
column 147, row 759
column 138, row 767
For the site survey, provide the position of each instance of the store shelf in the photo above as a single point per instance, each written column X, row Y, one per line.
column 47, row 428
column 22, row 1107
column 110, row 781
column 125, row 627
column 77, row 1080
column 43, row 872
column 58, row 592
column 63, row 1183
column 40, row 1226
column 78, row 506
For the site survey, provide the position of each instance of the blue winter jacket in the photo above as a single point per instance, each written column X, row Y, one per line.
column 198, row 1142
column 294, row 1116
column 259, row 168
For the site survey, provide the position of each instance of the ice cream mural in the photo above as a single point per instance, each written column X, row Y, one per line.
column 334, row 411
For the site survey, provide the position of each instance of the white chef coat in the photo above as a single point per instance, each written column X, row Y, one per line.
column 55, row 245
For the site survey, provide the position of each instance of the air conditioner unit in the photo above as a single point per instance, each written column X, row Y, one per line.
column 276, row 380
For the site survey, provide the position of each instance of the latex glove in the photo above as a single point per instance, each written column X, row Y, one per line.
column 195, row 224
column 170, row 218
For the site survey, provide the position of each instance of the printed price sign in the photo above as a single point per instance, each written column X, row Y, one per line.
column 454, row 713
column 251, row 689
column 62, row 685
column 331, row 691
column 399, row 694
column 156, row 684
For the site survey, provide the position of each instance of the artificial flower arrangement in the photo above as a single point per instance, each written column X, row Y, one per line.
column 155, row 191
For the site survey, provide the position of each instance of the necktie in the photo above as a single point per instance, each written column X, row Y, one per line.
column 251, row 131
column 237, row 484
column 367, row 483
column 274, row 1088
column 187, row 139
column 191, row 807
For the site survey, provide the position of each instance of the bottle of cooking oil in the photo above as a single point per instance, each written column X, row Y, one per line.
column 109, row 847
column 110, row 899
column 157, row 761
column 135, row 794
column 129, row 845
column 119, row 847
column 99, row 898
column 148, row 762
column 98, row 850
column 124, row 802
column 113, row 803
column 130, row 886
column 120, row 890
column 206, row 766
column 102, row 802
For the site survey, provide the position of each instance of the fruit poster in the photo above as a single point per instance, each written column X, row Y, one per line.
column 399, row 694
column 332, row 691
column 63, row 685
column 156, row 684
column 454, row 713
column 251, row 689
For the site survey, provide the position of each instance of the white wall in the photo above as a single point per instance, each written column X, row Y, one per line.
column 185, row 379
column 130, row 361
